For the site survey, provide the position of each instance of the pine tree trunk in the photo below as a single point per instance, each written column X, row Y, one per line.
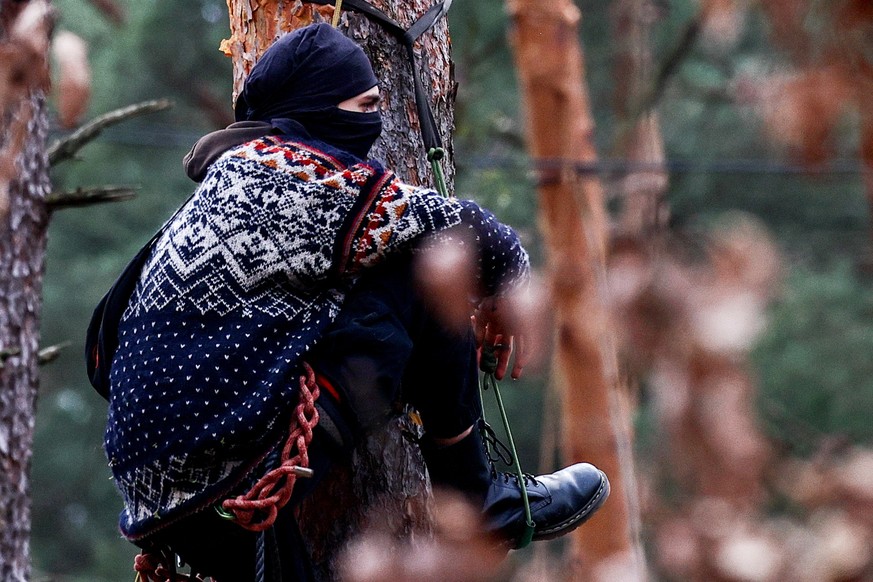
column 644, row 211
column 23, row 220
column 574, row 224
column 385, row 486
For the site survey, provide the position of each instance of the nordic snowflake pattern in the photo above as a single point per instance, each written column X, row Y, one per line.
column 239, row 287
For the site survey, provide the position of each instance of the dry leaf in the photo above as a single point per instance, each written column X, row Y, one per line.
column 723, row 22
column 33, row 26
column 750, row 556
column 74, row 78
column 224, row 47
column 802, row 111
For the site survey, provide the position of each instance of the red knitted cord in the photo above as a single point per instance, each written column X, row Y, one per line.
column 149, row 568
column 257, row 509
column 152, row 568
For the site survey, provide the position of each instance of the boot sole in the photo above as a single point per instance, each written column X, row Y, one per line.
column 579, row 517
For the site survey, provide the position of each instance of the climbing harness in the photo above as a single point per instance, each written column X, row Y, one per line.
column 488, row 364
column 433, row 145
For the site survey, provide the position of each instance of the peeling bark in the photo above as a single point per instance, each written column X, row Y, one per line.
column 23, row 219
column 383, row 489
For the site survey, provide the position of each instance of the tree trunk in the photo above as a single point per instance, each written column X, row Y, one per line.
column 643, row 212
column 23, row 219
column 574, row 224
column 385, row 486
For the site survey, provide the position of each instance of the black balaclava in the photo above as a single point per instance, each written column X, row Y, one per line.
column 303, row 76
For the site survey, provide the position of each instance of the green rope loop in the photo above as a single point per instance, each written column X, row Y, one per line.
column 224, row 514
column 434, row 155
column 488, row 362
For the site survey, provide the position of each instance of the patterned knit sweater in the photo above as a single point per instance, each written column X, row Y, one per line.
column 240, row 285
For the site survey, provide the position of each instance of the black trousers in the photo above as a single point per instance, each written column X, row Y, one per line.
column 386, row 346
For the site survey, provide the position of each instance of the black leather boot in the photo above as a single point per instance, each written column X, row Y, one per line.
column 559, row 502
column 463, row 466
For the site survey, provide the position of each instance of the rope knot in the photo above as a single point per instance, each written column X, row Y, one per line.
column 487, row 359
column 149, row 567
column 435, row 154
column 257, row 509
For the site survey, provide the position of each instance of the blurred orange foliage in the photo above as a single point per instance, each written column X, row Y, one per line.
column 73, row 85
column 830, row 45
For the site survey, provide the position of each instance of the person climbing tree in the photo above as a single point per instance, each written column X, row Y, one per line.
column 283, row 294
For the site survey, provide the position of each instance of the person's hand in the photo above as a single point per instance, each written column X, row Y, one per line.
column 500, row 327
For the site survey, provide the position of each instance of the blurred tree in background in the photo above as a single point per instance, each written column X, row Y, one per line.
column 812, row 361
column 143, row 57
column 25, row 38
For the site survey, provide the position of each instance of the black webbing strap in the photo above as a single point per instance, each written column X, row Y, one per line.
column 407, row 37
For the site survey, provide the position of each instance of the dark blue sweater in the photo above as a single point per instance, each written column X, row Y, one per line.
column 236, row 291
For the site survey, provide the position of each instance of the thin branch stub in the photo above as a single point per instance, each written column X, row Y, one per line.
column 89, row 196
column 51, row 353
column 67, row 147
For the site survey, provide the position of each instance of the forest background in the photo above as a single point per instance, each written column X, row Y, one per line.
column 812, row 362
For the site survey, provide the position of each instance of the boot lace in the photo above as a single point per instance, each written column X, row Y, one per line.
column 496, row 450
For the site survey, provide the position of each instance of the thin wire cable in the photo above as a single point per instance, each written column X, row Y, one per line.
column 166, row 137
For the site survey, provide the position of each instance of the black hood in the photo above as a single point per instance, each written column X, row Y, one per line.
column 303, row 77
column 309, row 69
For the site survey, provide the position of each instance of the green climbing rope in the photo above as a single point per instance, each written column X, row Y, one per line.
column 223, row 513
column 434, row 155
column 489, row 363
column 489, row 382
